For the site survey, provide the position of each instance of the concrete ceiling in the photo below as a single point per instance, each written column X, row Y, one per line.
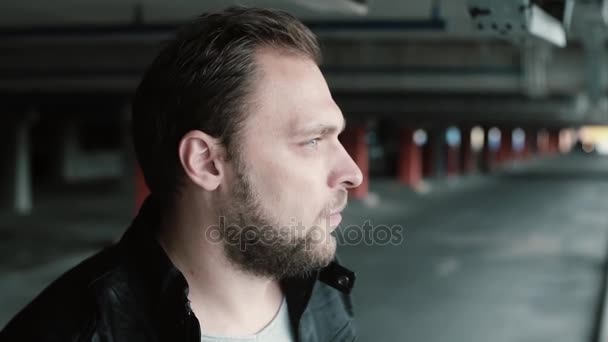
column 413, row 56
column 20, row 13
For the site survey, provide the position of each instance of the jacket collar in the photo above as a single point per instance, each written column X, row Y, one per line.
column 168, row 285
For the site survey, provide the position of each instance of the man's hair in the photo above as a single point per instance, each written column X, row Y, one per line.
column 202, row 80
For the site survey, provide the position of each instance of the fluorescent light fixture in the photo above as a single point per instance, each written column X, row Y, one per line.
column 546, row 27
column 358, row 7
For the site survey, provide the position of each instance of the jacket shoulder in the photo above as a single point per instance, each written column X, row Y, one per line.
column 67, row 309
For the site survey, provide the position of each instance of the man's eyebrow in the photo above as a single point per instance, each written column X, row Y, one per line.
column 322, row 129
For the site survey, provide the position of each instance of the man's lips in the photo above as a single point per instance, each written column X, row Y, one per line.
column 337, row 210
column 335, row 215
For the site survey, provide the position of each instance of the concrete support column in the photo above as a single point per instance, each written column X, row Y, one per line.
column 543, row 142
column 505, row 152
column 17, row 170
column 487, row 159
column 410, row 160
column 467, row 162
column 435, row 155
column 452, row 165
column 554, row 141
column 528, row 150
column 23, row 174
column 355, row 142
column 428, row 153
column 532, row 141
column 70, row 150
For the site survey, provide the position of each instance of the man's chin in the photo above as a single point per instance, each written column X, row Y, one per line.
column 279, row 263
column 329, row 250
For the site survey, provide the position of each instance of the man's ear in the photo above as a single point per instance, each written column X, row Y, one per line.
column 202, row 158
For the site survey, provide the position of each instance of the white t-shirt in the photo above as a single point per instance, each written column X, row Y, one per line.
column 279, row 329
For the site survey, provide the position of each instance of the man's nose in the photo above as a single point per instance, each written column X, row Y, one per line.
column 348, row 174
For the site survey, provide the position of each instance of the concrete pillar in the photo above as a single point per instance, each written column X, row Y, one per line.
column 70, row 150
column 428, row 153
column 452, row 166
column 355, row 142
column 526, row 150
column 467, row 162
column 543, row 142
column 17, row 172
column 531, row 145
column 505, row 152
column 23, row 173
column 554, row 141
column 486, row 161
column 435, row 153
column 410, row 160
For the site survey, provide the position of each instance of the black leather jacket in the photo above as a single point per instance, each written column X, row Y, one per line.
column 132, row 292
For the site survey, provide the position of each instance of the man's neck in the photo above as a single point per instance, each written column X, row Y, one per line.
column 226, row 301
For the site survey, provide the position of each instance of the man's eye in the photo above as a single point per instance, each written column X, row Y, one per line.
column 313, row 143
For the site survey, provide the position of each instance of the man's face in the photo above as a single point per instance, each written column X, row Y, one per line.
column 290, row 178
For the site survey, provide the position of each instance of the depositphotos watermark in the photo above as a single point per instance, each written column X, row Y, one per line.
column 366, row 234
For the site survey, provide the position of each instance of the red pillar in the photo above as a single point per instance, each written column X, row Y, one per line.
column 355, row 143
column 141, row 189
column 453, row 160
column 410, row 160
column 505, row 152
column 543, row 142
column 486, row 155
column 524, row 153
column 526, row 150
column 428, row 165
column 554, row 141
column 466, row 152
column 531, row 142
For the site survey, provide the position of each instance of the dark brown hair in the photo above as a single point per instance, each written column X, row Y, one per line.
column 201, row 81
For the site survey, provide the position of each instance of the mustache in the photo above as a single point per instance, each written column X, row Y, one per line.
column 337, row 205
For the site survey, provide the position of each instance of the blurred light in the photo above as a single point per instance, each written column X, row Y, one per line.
column 602, row 148
column 494, row 138
column 588, row 147
column 477, row 134
column 420, row 137
column 593, row 133
column 567, row 138
column 594, row 138
column 519, row 139
column 452, row 136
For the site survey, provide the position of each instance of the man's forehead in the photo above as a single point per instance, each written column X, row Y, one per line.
column 293, row 93
column 321, row 120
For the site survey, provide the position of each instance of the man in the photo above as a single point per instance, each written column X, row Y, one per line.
column 237, row 136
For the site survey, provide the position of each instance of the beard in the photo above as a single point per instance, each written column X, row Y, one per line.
column 255, row 243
